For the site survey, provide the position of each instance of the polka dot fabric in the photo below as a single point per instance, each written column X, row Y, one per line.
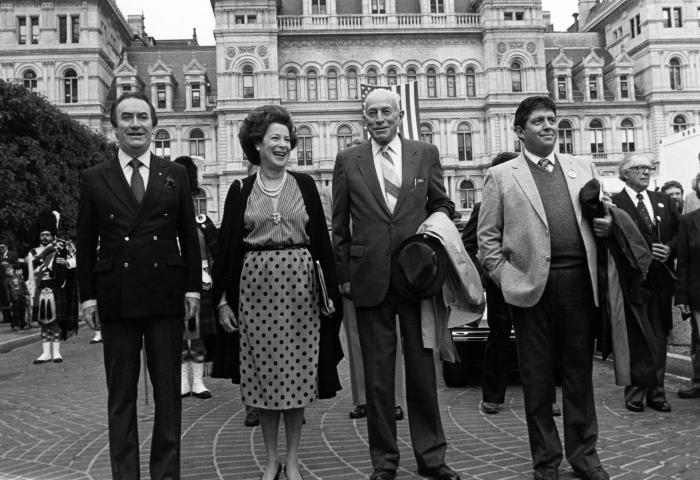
column 280, row 327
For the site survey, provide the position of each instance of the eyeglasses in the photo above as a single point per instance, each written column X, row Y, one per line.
column 642, row 168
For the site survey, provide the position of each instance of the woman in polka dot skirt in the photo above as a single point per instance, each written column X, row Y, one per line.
column 266, row 287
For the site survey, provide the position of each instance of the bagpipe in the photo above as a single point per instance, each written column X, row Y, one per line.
column 46, row 265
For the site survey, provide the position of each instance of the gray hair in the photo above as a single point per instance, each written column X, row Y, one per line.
column 626, row 163
column 393, row 96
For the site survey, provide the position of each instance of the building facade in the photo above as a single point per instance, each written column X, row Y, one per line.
column 624, row 75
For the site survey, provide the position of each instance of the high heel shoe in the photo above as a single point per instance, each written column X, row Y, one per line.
column 285, row 474
column 277, row 475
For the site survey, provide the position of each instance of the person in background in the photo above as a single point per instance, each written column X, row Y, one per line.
column 18, row 294
column 674, row 189
column 273, row 244
column 692, row 199
column 656, row 217
column 543, row 257
column 200, row 328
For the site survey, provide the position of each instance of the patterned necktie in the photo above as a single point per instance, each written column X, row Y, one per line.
column 546, row 164
column 644, row 213
column 392, row 183
column 137, row 187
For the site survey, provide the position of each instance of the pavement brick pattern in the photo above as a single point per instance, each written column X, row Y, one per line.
column 53, row 427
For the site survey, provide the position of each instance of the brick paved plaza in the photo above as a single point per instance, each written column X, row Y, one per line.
column 53, row 427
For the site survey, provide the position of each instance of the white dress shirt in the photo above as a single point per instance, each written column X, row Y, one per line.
column 645, row 198
column 536, row 158
column 395, row 153
column 144, row 169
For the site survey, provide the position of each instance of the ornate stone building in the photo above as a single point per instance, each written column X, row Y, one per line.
column 624, row 75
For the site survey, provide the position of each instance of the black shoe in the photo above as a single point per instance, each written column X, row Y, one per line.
column 96, row 341
column 185, row 395
column 489, row 407
column 546, row 474
column 57, row 360
column 692, row 392
column 398, row 413
column 443, row 472
column 662, row 407
column 359, row 411
column 634, row 406
column 203, row 395
column 383, row 475
column 596, row 473
column 252, row 419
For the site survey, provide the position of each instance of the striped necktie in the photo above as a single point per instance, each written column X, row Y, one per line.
column 546, row 164
column 392, row 183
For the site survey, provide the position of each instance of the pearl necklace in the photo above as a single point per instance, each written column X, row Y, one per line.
column 271, row 192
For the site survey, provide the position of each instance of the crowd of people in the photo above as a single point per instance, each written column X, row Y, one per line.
column 263, row 297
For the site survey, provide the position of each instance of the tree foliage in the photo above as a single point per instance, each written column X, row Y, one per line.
column 42, row 153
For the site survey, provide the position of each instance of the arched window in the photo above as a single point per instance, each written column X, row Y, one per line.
column 292, row 92
column 471, row 82
column 311, row 86
column 597, row 140
column 200, row 203
column 627, row 131
column 411, row 75
column 426, row 133
column 516, row 77
column 248, row 88
column 674, row 70
column 70, row 86
column 352, row 84
column 332, row 81
column 432, row 83
column 344, row 137
column 197, row 143
column 464, row 142
column 29, row 80
column 566, row 139
column 162, row 141
column 451, row 82
column 467, row 194
column 391, row 76
column 372, row 76
column 304, row 152
column 679, row 123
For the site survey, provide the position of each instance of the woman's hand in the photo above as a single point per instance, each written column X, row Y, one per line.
column 227, row 318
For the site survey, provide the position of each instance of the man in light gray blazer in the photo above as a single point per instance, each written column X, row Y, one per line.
column 542, row 254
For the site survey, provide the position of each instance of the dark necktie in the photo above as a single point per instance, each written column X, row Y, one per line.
column 644, row 213
column 546, row 164
column 137, row 187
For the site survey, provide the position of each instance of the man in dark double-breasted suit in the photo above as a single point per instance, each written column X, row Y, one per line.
column 657, row 219
column 386, row 188
column 139, row 271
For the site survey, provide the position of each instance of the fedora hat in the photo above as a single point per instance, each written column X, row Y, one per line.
column 418, row 267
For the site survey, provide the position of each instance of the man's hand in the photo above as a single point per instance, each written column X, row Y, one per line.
column 227, row 319
column 91, row 317
column 685, row 310
column 345, row 289
column 60, row 260
column 660, row 251
column 191, row 307
column 602, row 226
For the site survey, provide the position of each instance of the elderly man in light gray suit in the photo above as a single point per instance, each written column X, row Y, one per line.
column 542, row 254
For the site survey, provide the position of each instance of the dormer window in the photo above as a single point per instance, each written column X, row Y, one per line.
column 161, row 99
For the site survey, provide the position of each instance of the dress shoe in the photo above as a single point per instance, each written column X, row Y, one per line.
column 489, row 407
column 359, row 411
column 596, row 473
column 692, row 392
column 556, row 411
column 634, row 406
column 662, row 407
column 383, row 475
column 443, row 472
column 185, row 395
column 546, row 474
column 93, row 341
column 251, row 418
column 203, row 395
column 398, row 413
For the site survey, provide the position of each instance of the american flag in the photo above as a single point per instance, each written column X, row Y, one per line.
column 409, row 104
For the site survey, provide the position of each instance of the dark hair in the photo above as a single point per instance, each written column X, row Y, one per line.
column 503, row 157
column 256, row 124
column 672, row 184
column 531, row 104
column 191, row 169
column 126, row 96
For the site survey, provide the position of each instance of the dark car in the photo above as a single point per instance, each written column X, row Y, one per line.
column 470, row 343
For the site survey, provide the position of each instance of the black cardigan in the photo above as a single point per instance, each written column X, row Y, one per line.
column 227, row 272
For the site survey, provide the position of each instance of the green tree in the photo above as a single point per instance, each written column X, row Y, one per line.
column 42, row 153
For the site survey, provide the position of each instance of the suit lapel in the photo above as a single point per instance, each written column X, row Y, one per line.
column 409, row 171
column 573, row 181
column 157, row 176
column 114, row 177
column 365, row 164
column 657, row 205
column 522, row 175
